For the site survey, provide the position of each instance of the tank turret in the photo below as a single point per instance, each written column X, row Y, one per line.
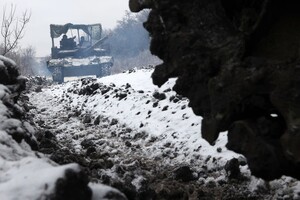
column 79, row 55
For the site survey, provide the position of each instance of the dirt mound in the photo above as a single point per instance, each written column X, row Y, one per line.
column 237, row 62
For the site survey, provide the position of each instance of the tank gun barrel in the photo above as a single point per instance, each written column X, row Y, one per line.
column 99, row 42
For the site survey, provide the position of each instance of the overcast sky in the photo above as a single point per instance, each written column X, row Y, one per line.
column 46, row 12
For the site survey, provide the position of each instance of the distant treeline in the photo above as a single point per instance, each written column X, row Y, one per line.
column 129, row 37
column 129, row 42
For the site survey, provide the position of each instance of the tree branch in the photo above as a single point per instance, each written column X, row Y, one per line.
column 13, row 28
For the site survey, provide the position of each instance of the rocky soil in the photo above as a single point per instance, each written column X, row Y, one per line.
column 237, row 61
column 25, row 173
column 113, row 153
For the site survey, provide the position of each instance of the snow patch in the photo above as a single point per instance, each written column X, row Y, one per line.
column 101, row 191
column 30, row 178
column 7, row 60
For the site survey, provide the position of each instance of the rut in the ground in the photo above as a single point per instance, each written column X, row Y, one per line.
column 114, row 154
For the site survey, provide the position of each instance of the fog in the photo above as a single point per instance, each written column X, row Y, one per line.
column 130, row 43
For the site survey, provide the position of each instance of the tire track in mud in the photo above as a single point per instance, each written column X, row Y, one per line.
column 114, row 154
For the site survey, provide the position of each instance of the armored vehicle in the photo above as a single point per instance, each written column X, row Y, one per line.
column 81, row 51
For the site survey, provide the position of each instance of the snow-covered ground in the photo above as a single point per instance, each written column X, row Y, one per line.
column 26, row 174
column 169, row 122
column 135, row 121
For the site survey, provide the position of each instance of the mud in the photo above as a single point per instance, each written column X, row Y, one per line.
column 113, row 154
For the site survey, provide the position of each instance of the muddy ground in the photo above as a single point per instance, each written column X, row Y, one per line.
column 116, row 155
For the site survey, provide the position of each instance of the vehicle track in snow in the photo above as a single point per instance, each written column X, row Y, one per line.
column 137, row 163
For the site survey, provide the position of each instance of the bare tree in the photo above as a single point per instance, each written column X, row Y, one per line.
column 13, row 28
column 28, row 61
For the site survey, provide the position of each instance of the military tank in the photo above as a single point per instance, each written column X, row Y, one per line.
column 80, row 52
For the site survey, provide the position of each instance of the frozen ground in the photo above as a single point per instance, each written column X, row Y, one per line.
column 143, row 140
column 26, row 174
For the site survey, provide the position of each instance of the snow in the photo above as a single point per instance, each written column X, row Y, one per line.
column 137, row 182
column 69, row 62
column 139, row 80
column 26, row 174
column 173, row 131
column 30, row 178
column 176, row 122
column 99, row 191
column 6, row 60
column 177, row 125
column 3, row 91
column 3, row 111
column 23, row 175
